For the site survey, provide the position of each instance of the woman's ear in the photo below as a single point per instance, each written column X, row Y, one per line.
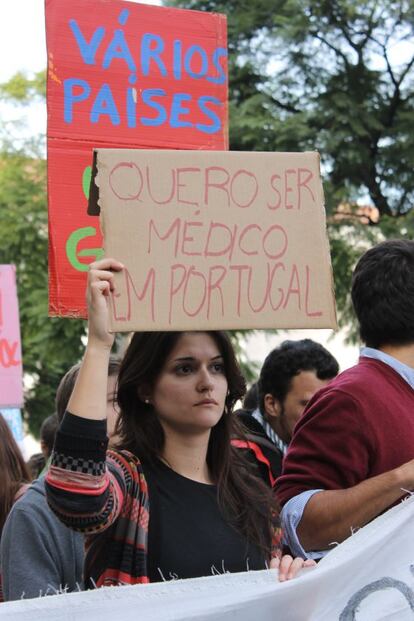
column 144, row 394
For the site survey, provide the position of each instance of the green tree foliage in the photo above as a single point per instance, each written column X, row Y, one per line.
column 19, row 93
column 22, row 89
column 336, row 76
column 50, row 345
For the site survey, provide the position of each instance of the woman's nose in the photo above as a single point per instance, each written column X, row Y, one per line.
column 205, row 381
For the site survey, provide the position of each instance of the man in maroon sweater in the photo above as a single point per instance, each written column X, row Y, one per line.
column 352, row 453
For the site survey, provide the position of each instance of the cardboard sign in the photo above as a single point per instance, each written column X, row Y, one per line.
column 11, row 371
column 369, row 577
column 121, row 74
column 218, row 240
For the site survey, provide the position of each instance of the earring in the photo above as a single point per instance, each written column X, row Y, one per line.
column 146, row 400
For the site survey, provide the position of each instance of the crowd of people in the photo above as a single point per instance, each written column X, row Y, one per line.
column 149, row 473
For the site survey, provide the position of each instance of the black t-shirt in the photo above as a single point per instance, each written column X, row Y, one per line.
column 188, row 536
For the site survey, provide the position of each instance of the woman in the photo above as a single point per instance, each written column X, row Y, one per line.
column 175, row 499
column 15, row 476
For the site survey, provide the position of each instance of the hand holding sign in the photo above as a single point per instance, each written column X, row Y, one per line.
column 100, row 286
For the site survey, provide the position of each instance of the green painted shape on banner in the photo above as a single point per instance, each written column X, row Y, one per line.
column 86, row 181
column 72, row 245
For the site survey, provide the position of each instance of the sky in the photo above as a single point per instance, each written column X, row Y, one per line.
column 23, row 48
column 22, row 36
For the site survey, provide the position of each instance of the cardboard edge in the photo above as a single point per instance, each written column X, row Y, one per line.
column 93, row 201
column 325, row 241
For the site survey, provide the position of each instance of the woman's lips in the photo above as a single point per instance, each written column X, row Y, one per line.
column 207, row 402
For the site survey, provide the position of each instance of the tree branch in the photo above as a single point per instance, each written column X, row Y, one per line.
column 284, row 106
column 337, row 51
column 401, row 211
column 375, row 192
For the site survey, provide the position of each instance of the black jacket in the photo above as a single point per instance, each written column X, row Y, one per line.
column 259, row 449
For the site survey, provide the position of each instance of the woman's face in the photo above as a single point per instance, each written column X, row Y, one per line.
column 190, row 392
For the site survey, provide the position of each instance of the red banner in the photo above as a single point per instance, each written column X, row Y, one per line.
column 126, row 75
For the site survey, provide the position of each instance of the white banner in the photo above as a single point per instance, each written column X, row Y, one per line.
column 367, row 578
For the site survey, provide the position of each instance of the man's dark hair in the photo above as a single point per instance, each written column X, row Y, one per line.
column 48, row 431
column 383, row 293
column 67, row 384
column 250, row 401
column 288, row 360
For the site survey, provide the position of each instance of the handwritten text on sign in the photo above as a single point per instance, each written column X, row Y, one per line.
column 112, row 50
column 11, row 392
column 216, row 240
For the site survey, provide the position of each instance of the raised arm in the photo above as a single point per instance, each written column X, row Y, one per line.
column 88, row 399
column 81, row 490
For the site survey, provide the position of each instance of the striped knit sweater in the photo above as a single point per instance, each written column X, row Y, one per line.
column 104, row 495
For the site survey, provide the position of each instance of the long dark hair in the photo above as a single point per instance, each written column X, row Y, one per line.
column 243, row 498
column 14, row 472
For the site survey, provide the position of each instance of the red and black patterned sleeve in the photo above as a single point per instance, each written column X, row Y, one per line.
column 84, row 487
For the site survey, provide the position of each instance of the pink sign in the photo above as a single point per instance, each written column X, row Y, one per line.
column 11, row 372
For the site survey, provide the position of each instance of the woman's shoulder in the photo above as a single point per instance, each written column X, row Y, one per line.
column 127, row 469
column 21, row 491
column 126, row 460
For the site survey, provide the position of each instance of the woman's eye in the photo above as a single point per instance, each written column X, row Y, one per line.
column 183, row 369
column 218, row 367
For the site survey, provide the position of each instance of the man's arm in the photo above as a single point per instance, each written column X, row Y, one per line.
column 333, row 449
column 330, row 516
column 290, row 517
